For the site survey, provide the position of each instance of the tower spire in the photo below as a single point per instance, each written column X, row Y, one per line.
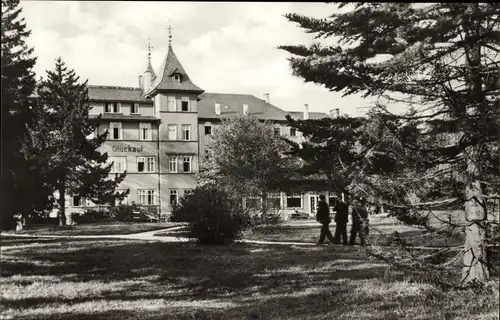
column 169, row 34
column 149, row 68
column 149, row 46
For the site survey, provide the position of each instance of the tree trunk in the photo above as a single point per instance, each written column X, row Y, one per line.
column 264, row 204
column 475, row 258
column 475, row 261
column 62, row 206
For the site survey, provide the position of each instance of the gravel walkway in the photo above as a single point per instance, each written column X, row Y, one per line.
column 150, row 236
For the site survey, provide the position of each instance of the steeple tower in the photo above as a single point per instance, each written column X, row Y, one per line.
column 149, row 75
column 172, row 76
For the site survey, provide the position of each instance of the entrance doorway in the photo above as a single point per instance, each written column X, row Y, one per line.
column 313, row 202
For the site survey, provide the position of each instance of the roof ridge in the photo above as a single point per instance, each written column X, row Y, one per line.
column 112, row 87
column 232, row 94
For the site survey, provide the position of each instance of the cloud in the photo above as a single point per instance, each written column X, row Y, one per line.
column 225, row 47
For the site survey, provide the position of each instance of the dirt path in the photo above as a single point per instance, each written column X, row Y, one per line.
column 147, row 236
column 150, row 236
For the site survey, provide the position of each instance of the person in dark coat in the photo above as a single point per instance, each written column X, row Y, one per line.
column 323, row 217
column 341, row 218
column 359, row 222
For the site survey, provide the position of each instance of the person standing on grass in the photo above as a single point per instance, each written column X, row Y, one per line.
column 359, row 222
column 323, row 217
column 341, row 218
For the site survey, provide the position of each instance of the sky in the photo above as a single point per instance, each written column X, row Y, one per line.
column 224, row 47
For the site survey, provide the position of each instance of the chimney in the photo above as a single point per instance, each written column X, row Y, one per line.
column 334, row 113
column 217, row 108
column 141, row 83
column 266, row 97
column 245, row 109
column 306, row 111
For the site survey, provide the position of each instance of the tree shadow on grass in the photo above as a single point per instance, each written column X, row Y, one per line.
column 185, row 281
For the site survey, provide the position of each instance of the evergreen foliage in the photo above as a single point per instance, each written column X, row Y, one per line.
column 434, row 70
column 61, row 141
column 23, row 190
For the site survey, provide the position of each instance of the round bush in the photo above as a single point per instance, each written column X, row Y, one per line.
column 213, row 216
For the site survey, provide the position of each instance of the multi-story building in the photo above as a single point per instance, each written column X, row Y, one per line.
column 158, row 133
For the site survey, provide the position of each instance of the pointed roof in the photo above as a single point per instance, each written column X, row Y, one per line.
column 164, row 80
column 150, row 69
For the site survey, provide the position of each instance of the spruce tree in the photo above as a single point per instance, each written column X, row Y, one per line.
column 60, row 139
column 441, row 62
column 23, row 191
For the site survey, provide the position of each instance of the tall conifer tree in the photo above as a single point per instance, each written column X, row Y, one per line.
column 63, row 140
column 23, row 191
column 442, row 62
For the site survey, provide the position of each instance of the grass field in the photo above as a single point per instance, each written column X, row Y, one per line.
column 103, row 228
column 382, row 232
column 82, row 279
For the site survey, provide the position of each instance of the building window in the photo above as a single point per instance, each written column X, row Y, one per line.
column 186, row 131
column 293, row 132
column 119, row 164
column 185, row 104
column 274, row 200
column 277, row 130
column 77, row 201
column 172, row 164
column 123, row 201
column 150, row 164
column 188, row 191
column 186, row 164
column 145, row 164
column 114, row 107
column 134, row 108
column 208, row 130
column 173, row 196
column 115, row 130
column 171, row 103
column 145, row 131
column 294, row 200
column 177, row 78
column 147, row 197
column 172, row 132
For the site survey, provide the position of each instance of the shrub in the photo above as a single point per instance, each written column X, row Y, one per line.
column 213, row 216
column 90, row 216
column 123, row 212
column 134, row 212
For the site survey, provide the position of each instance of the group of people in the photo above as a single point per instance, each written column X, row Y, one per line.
column 359, row 219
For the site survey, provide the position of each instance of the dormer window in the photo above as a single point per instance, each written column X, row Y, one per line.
column 177, row 78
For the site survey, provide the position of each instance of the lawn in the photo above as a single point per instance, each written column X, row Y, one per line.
column 118, row 279
column 102, row 228
column 382, row 232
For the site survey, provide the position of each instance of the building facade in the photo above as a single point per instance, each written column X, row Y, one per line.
column 158, row 133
